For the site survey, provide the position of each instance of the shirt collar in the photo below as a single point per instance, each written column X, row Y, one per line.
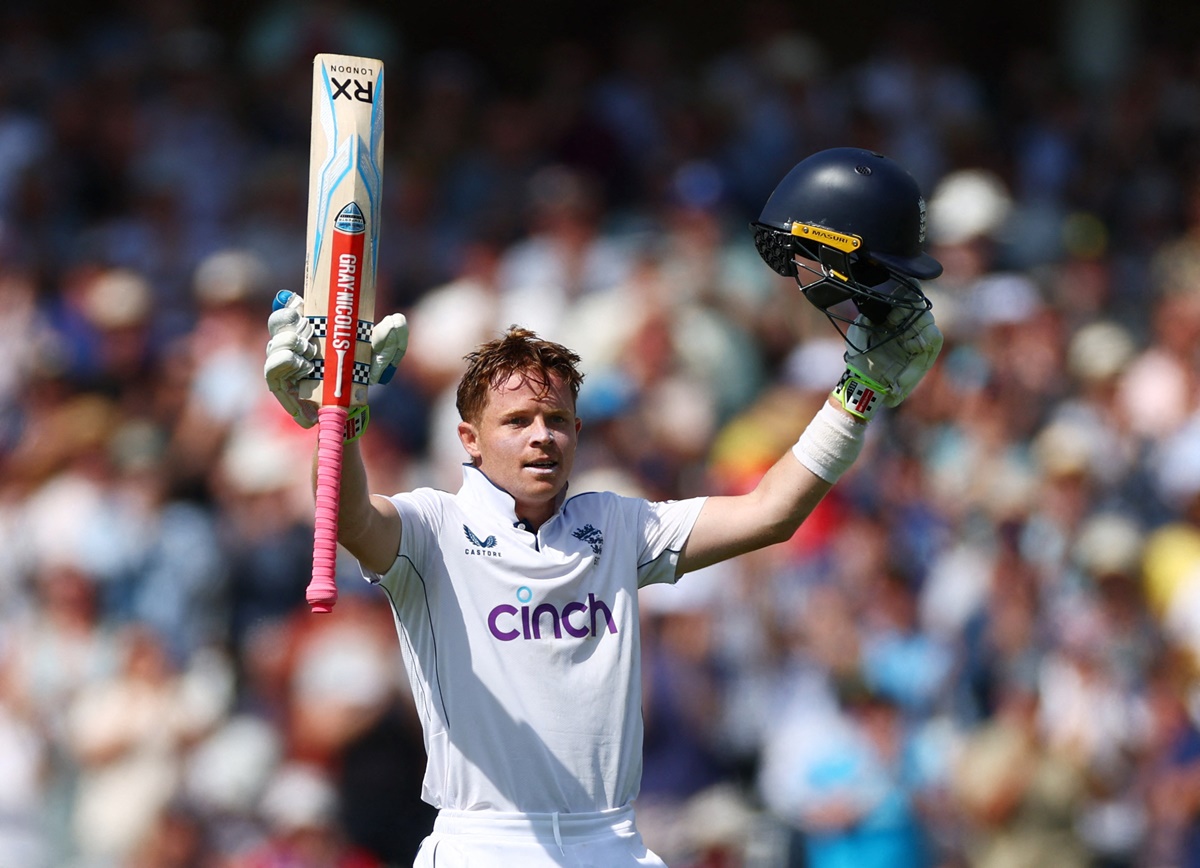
column 477, row 488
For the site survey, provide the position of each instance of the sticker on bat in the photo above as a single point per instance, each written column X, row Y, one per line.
column 346, row 280
column 350, row 219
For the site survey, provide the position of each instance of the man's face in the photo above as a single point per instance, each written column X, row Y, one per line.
column 526, row 444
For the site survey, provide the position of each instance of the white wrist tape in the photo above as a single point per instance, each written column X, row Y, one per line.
column 830, row 443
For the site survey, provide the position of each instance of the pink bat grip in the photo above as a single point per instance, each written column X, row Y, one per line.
column 331, row 427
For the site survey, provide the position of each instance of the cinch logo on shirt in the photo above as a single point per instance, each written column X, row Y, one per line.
column 578, row 619
column 481, row 547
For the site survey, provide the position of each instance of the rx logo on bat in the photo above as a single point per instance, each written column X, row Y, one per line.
column 363, row 91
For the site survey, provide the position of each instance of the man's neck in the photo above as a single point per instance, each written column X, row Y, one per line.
column 533, row 516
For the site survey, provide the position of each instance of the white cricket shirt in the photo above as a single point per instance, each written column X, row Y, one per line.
column 523, row 649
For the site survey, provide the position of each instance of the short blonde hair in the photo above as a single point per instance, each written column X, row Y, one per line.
column 518, row 351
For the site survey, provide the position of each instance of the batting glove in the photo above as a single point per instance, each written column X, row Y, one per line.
column 887, row 372
column 389, row 342
column 292, row 349
column 290, row 354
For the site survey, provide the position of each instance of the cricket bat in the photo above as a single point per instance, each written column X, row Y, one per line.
column 345, row 185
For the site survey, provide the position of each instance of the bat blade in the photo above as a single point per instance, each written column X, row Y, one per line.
column 345, row 188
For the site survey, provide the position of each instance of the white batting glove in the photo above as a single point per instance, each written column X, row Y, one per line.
column 893, row 368
column 292, row 348
column 389, row 342
column 290, row 354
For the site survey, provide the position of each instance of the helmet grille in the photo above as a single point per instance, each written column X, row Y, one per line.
column 776, row 249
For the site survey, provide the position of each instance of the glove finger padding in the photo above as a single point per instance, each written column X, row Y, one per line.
column 389, row 342
column 290, row 354
column 898, row 364
column 923, row 344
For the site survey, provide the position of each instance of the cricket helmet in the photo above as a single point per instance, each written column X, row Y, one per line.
column 849, row 225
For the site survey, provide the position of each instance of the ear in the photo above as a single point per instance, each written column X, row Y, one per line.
column 469, row 437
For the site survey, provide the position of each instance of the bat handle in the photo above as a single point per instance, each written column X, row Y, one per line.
column 322, row 588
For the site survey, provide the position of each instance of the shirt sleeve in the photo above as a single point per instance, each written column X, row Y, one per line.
column 420, row 517
column 664, row 527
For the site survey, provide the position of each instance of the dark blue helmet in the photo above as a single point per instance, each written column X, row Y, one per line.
column 849, row 225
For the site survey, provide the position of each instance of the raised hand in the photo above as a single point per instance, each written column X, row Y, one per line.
column 290, row 354
column 891, row 368
column 292, row 348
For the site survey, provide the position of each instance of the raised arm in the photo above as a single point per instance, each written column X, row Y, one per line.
column 795, row 484
column 369, row 527
column 787, row 493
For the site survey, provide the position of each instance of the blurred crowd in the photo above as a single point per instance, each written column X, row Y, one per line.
column 982, row 649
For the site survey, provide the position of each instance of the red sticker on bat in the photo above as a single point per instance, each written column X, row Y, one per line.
column 345, row 291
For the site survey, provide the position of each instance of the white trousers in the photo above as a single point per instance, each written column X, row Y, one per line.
column 493, row 839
